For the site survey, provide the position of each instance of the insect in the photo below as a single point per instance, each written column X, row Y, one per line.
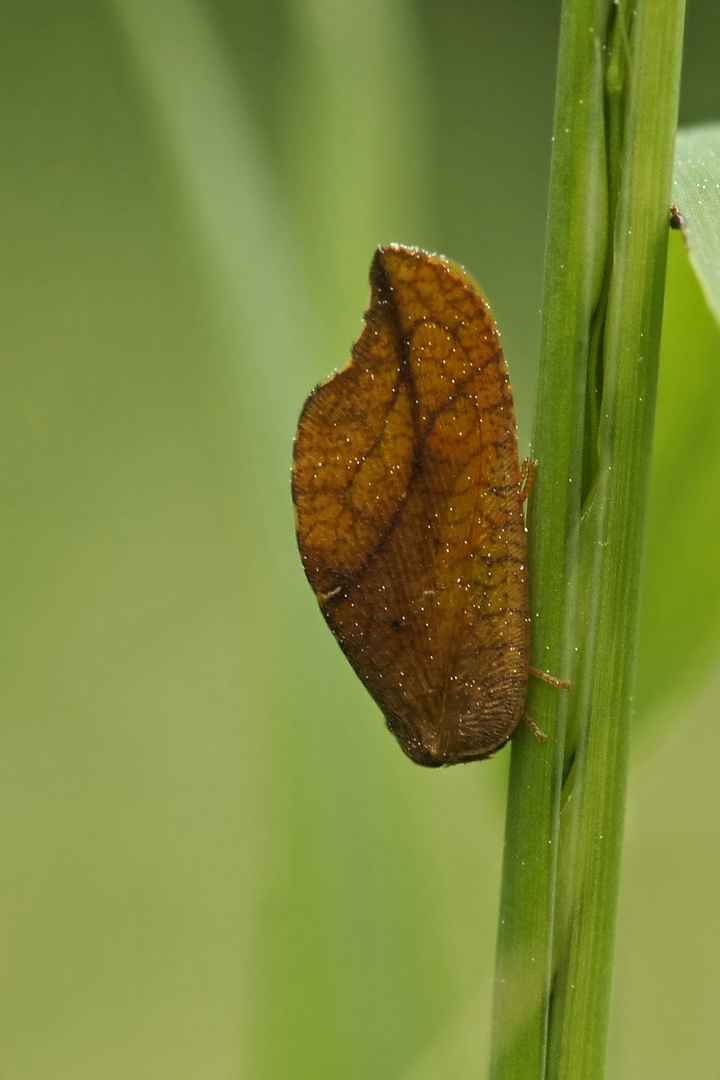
column 677, row 221
column 409, row 512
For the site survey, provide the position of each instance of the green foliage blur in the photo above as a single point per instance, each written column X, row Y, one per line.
column 216, row 862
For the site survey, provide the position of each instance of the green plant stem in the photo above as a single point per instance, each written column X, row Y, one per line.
column 616, row 110
column 573, row 276
column 612, row 545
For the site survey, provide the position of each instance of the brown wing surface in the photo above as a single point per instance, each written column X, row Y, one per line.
column 409, row 512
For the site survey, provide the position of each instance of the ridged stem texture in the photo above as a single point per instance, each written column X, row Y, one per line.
column 615, row 120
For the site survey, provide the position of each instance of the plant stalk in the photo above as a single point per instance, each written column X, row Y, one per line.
column 616, row 109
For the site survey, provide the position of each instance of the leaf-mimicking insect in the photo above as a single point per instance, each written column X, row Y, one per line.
column 409, row 510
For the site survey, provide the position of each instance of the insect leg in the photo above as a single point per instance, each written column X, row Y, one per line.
column 527, row 475
column 564, row 684
column 539, row 735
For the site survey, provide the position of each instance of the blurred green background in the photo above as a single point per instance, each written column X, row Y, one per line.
column 216, row 862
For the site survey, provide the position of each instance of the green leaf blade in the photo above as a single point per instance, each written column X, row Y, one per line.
column 696, row 193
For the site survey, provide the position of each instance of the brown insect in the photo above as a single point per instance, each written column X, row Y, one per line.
column 409, row 510
column 677, row 221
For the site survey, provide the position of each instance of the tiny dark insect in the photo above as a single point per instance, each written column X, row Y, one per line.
column 409, row 510
column 677, row 221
